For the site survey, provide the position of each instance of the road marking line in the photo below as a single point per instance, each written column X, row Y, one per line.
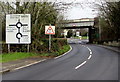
column 89, row 49
column 90, row 52
column 80, row 65
column 89, row 57
column 29, row 64
column 63, row 54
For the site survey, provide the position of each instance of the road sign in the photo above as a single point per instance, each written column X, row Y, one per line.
column 77, row 33
column 50, row 30
column 18, row 29
column 65, row 32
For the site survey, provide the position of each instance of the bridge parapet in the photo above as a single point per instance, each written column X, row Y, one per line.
column 79, row 23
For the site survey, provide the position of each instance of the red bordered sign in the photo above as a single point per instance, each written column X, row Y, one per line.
column 50, row 30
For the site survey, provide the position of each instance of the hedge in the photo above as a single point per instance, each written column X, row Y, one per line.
column 36, row 46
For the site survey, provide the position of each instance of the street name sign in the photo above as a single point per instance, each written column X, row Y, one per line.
column 18, row 29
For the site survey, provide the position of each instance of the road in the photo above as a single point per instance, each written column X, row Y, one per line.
column 84, row 62
column 72, row 40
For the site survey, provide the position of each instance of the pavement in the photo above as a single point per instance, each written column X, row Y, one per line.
column 116, row 49
column 13, row 65
column 83, row 62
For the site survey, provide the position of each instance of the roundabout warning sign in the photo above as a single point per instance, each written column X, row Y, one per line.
column 18, row 29
column 50, row 30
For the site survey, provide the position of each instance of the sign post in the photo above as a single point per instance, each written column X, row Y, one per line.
column 8, row 48
column 28, row 48
column 18, row 29
column 49, row 42
column 50, row 30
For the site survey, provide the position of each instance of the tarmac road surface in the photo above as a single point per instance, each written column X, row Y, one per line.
column 84, row 62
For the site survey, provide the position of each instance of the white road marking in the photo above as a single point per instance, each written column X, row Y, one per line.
column 29, row 64
column 89, row 57
column 89, row 49
column 80, row 65
column 91, row 52
column 63, row 54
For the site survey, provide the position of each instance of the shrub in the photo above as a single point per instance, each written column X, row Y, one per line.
column 39, row 46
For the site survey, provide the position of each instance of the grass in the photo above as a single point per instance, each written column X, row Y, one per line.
column 76, row 37
column 22, row 55
column 84, row 37
column 64, row 49
column 15, row 56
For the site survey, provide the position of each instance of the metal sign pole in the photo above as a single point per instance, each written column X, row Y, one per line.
column 28, row 48
column 49, row 42
column 51, row 31
column 8, row 48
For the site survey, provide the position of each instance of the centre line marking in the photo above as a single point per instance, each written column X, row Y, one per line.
column 90, row 52
column 89, row 57
column 86, row 60
column 80, row 65
column 89, row 49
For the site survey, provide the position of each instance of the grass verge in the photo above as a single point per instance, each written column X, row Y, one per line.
column 84, row 37
column 63, row 50
column 22, row 55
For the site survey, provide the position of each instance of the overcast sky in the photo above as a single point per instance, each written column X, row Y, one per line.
column 76, row 12
column 84, row 11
